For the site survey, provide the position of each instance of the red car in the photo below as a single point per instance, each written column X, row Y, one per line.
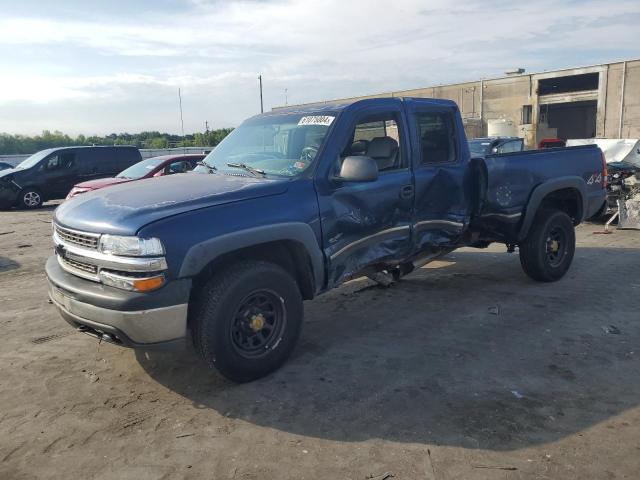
column 552, row 143
column 151, row 167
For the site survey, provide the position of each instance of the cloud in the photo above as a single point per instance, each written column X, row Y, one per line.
column 214, row 50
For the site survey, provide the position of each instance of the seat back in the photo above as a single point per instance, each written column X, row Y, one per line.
column 384, row 150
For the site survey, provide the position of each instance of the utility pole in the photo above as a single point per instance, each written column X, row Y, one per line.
column 286, row 97
column 206, row 126
column 184, row 147
column 261, row 104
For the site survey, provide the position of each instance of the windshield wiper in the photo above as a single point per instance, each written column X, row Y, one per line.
column 210, row 168
column 254, row 171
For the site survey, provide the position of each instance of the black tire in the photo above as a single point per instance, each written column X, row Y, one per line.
column 30, row 198
column 547, row 252
column 229, row 325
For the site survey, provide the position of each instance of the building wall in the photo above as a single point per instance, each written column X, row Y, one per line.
column 504, row 98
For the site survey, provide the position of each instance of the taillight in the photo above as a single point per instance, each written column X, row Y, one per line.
column 604, row 170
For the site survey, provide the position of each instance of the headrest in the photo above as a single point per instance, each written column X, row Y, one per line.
column 380, row 147
column 359, row 146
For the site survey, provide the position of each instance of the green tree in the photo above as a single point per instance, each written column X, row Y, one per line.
column 22, row 144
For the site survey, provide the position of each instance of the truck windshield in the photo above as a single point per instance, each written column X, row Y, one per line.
column 284, row 145
column 33, row 159
column 140, row 169
column 479, row 148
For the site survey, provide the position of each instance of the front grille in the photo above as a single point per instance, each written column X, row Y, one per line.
column 71, row 237
column 83, row 267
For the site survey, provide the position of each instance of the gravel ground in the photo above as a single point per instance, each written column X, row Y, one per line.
column 465, row 369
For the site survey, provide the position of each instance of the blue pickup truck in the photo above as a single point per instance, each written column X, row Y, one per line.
column 293, row 203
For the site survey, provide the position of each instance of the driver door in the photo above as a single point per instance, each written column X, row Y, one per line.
column 61, row 172
column 369, row 223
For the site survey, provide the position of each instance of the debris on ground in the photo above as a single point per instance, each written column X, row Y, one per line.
column 496, row 467
column 494, row 310
column 611, row 329
column 382, row 476
column 517, row 394
column 384, row 279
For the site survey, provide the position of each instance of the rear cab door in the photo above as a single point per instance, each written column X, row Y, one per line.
column 366, row 223
column 440, row 165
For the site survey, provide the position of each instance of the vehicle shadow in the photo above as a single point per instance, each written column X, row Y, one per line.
column 6, row 264
column 46, row 207
column 469, row 352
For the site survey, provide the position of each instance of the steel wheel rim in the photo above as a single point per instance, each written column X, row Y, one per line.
column 31, row 199
column 258, row 323
column 556, row 246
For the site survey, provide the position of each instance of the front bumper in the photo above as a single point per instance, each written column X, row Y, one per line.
column 8, row 195
column 141, row 320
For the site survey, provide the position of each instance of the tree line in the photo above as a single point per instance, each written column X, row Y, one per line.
column 17, row 144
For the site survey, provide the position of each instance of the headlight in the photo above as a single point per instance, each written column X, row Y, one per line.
column 131, row 246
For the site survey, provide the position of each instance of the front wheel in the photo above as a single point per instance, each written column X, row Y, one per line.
column 30, row 198
column 547, row 252
column 247, row 320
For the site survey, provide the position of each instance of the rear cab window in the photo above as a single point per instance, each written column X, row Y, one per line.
column 436, row 137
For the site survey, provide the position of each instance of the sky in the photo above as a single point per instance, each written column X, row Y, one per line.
column 90, row 67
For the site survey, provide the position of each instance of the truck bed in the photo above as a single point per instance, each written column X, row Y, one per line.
column 512, row 180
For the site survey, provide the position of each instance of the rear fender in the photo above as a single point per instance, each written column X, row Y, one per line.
column 544, row 190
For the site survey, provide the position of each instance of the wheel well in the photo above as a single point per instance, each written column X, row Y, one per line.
column 288, row 254
column 568, row 200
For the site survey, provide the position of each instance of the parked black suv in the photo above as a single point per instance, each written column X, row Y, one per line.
column 50, row 174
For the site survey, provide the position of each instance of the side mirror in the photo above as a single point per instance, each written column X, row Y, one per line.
column 358, row 169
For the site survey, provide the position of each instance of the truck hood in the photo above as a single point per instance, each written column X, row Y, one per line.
column 126, row 208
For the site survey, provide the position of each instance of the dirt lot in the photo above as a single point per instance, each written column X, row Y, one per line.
column 465, row 369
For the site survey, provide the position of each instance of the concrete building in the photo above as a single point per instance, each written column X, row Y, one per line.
column 601, row 101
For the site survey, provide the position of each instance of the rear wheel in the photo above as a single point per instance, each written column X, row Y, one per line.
column 247, row 320
column 547, row 252
column 30, row 198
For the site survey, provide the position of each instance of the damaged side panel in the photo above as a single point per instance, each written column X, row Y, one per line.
column 440, row 206
column 364, row 224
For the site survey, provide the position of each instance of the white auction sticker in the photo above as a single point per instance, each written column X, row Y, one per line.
column 316, row 120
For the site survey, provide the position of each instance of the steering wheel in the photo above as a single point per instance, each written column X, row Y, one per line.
column 308, row 154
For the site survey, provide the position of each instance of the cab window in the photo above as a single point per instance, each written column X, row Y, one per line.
column 378, row 136
column 62, row 161
column 437, row 137
column 181, row 166
column 509, row 147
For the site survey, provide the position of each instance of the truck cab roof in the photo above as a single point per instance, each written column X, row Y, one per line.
column 341, row 105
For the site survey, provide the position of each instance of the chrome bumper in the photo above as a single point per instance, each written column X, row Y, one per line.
column 134, row 328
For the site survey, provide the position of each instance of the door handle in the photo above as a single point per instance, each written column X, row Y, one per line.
column 406, row 191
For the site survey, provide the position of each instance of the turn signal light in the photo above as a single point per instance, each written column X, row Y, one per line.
column 148, row 284
column 132, row 283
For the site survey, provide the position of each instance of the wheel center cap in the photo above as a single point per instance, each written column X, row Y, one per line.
column 555, row 246
column 257, row 322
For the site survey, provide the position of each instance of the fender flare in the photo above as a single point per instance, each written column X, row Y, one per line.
column 201, row 254
column 544, row 189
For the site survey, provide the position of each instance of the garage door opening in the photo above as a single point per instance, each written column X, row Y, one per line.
column 568, row 84
column 571, row 120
